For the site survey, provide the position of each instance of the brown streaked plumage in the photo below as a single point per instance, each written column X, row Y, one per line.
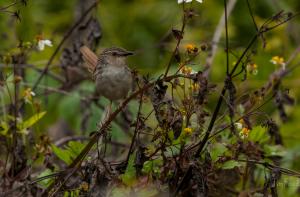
column 112, row 76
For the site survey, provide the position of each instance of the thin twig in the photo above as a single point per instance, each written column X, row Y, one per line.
column 203, row 142
column 217, row 37
column 66, row 36
column 136, row 127
column 76, row 162
column 178, row 41
column 8, row 6
column 226, row 37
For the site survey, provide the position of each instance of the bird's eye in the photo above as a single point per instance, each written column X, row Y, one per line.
column 114, row 53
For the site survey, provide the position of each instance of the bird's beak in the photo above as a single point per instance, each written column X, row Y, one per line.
column 127, row 53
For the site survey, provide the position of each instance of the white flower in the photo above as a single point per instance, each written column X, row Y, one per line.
column 238, row 126
column 188, row 1
column 43, row 43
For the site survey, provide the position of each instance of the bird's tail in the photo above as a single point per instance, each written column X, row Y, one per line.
column 90, row 58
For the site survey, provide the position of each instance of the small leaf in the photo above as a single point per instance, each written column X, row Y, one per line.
column 276, row 150
column 230, row 164
column 153, row 166
column 129, row 177
column 47, row 181
column 217, row 151
column 3, row 128
column 62, row 154
column 75, row 148
column 259, row 134
column 30, row 121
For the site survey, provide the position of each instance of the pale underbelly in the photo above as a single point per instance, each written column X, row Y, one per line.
column 114, row 84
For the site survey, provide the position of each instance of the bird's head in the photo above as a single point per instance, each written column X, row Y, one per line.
column 115, row 56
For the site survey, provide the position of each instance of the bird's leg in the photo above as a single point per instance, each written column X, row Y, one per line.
column 105, row 115
column 109, row 108
column 102, row 140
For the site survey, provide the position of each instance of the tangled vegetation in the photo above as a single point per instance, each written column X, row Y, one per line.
column 179, row 132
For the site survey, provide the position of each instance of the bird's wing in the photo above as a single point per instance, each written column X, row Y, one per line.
column 90, row 58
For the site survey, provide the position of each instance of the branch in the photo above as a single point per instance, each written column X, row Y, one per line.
column 217, row 37
column 66, row 36
column 77, row 161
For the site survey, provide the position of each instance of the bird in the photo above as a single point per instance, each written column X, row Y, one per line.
column 113, row 78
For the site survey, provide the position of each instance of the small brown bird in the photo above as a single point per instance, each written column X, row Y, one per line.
column 112, row 76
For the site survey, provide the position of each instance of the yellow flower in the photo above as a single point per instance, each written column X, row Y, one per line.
column 244, row 132
column 183, row 112
column 195, row 87
column 191, row 48
column 277, row 60
column 28, row 94
column 242, row 121
column 186, row 70
column 188, row 130
column 84, row 186
column 252, row 68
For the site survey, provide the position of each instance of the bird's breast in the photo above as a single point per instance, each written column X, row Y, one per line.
column 113, row 82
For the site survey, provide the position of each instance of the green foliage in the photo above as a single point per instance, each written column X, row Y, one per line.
column 274, row 150
column 22, row 126
column 74, row 193
column 45, row 183
column 231, row 164
column 258, row 134
column 153, row 167
column 147, row 29
column 217, row 150
column 129, row 177
column 70, row 152
column 3, row 128
column 30, row 121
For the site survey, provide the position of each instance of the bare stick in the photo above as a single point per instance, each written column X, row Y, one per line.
column 217, row 37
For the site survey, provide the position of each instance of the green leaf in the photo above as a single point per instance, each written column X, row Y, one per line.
column 72, row 150
column 231, row 164
column 129, row 177
column 30, row 121
column 64, row 155
column 275, row 150
column 46, row 182
column 259, row 134
column 3, row 128
column 153, row 166
column 75, row 148
column 217, row 151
